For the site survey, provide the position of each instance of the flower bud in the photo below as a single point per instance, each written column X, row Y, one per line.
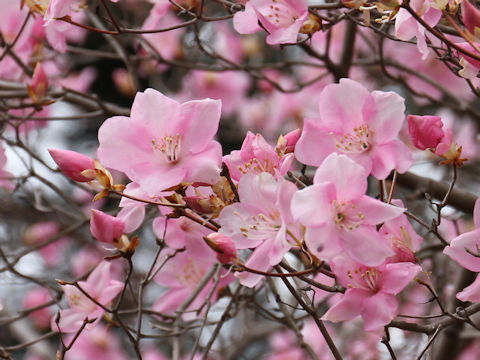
column 223, row 246
column 425, row 131
column 106, row 228
column 72, row 164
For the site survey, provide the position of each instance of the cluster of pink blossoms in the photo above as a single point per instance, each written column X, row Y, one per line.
column 249, row 216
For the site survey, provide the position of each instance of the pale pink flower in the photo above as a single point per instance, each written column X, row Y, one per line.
column 229, row 86
column 99, row 342
column 261, row 220
column 5, row 176
column 163, row 143
column 60, row 8
column 100, row 287
column 362, row 125
column 38, row 297
column 404, row 241
column 257, row 156
column 41, row 232
column 72, row 163
column 407, row 27
column 181, row 275
column 339, row 217
column 425, row 131
column 470, row 65
column 464, row 249
column 223, row 246
column 283, row 19
column 370, row 291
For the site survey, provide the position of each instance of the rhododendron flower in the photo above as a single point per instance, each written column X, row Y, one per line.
column 72, row 163
column 38, row 297
column 470, row 65
column 262, row 220
column 339, row 216
column 59, row 8
column 370, row 291
column 182, row 274
column 404, row 241
column 425, row 131
column 464, row 249
column 100, row 287
column 257, row 156
column 99, row 342
column 283, row 19
column 163, row 143
column 362, row 125
column 407, row 27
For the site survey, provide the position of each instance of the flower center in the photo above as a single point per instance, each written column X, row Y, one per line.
column 364, row 278
column 279, row 13
column 170, row 146
column 257, row 166
column 358, row 142
column 260, row 226
column 346, row 217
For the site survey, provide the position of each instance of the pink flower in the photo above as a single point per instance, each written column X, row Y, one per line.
column 370, row 291
column 425, row 131
column 464, row 249
column 181, row 275
column 404, row 241
column 471, row 17
column 72, row 163
column 99, row 342
column 283, row 19
column 41, row 232
column 470, row 65
column 38, row 297
column 286, row 144
column 257, row 156
column 407, row 27
column 339, row 217
column 261, row 220
column 60, row 8
column 163, row 143
column 362, row 125
column 100, row 287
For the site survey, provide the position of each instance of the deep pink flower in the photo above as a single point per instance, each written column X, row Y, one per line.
column 163, row 143
column 106, row 228
column 283, row 19
column 407, row 27
column 362, row 125
column 99, row 286
column 425, row 131
column 471, row 17
column 370, row 291
column 72, row 163
column 339, row 217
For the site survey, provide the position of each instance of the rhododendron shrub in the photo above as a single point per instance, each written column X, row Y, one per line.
column 225, row 179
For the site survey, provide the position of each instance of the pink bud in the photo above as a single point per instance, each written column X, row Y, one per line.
column 37, row 90
column 106, row 228
column 470, row 16
column 223, row 246
column 72, row 163
column 425, row 131
column 292, row 139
